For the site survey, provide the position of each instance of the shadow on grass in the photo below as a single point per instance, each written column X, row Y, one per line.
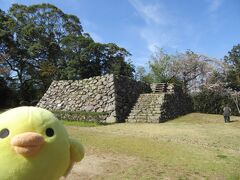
column 221, row 156
column 232, row 121
column 84, row 123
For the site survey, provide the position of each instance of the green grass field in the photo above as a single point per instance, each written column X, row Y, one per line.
column 195, row 146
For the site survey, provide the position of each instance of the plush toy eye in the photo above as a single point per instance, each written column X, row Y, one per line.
column 4, row 133
column 49, row 132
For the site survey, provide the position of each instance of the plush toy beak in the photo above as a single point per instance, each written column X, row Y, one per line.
column 28, row 143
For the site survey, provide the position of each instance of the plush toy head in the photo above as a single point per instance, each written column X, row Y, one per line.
column 35, row 145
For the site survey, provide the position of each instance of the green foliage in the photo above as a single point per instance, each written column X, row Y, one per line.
column 187, row 69
column 216, row 77
column 233, row 73
column 159, row 65
column 80, row 123
column 98, row 59
column 40, row 43
column 212, row 102
column 140, row 73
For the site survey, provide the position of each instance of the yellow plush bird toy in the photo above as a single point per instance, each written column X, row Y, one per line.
column 35, row 145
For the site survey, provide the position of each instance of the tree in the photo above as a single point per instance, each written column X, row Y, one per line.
column 4, row 36
column 140, row 73
column 40, row 43
column 94, row 59
column 4, row 70
column 40, row 29
column 235, row 95
column 32, row 41
column 191, row 69
column 207, row 101
column 224, row 94
column 233, row 74
column 115, row 63
column 159, row 64
column 225, row 80
column 233, row 71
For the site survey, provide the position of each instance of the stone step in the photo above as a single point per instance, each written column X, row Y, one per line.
column 147, row 118
column 146, row 109
column 145, row 112
column 148, row 105
column 144, row 106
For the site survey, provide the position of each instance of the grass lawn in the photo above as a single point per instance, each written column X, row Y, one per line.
column 195, row 146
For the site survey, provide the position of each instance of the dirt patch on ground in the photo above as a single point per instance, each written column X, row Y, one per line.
column 97, row 165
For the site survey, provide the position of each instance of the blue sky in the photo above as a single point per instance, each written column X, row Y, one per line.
column 209, row 27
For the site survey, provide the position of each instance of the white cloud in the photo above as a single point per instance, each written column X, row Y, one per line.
column 151, row 13
column 213, row 5
column 156, row 37
column 164, row 29
column 158, row 30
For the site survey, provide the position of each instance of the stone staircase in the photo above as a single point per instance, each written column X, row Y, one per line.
column 147, row 108
column 159, row 87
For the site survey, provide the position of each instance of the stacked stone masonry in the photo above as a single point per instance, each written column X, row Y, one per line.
column 147, row 108
column 109, row 94
column 161, row 106
column 116, row 99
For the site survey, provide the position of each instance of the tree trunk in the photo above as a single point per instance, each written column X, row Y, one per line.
column 236, row 103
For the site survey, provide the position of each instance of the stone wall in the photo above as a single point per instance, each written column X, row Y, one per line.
column 160, row 106
column 81, row 116
column 108, row 94
column 127, row 93
column 175, row 103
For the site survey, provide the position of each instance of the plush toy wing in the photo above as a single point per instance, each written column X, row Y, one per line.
column 76, row 153
column 77, row 150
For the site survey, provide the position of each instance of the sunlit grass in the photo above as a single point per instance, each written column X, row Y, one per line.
column 190, row 147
